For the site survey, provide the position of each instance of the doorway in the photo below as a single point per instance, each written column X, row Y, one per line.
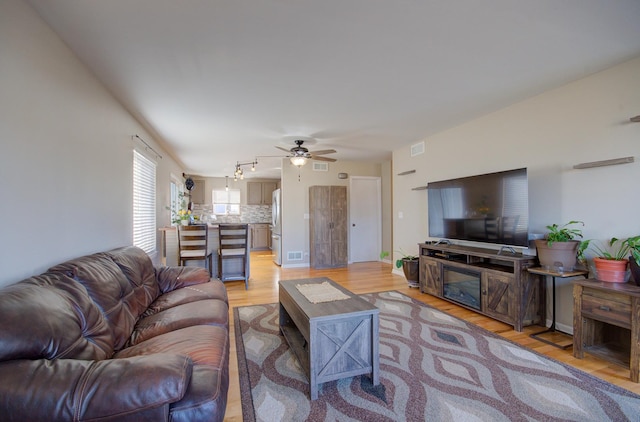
column 365, row 203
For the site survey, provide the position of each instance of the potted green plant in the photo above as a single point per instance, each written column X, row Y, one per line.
column 611, row 263
column 410, row 266
column 634, row 258
column 561, row 246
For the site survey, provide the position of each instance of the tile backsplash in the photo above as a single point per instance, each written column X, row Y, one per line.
column 248, row 214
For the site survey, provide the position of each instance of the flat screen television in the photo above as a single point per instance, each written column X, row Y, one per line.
column 491, row 208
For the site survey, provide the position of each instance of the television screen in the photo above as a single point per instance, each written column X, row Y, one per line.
column 492, row 208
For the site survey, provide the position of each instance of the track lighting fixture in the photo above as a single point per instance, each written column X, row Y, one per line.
column 239, row 173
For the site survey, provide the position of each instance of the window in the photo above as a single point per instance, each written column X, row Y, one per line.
column 516, row 201
column 226, row 202
column 144, row 203
column 178, row 201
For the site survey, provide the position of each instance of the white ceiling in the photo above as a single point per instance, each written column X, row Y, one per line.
column 218, row 82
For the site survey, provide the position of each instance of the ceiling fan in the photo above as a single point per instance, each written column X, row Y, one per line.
column 300, row 155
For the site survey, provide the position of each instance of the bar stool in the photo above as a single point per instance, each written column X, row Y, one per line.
column 233, row 245
column 193, row 245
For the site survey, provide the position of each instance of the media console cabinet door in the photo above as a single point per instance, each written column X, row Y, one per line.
column 430, row 281
column 499, row 300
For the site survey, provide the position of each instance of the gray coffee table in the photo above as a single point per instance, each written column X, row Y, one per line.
column 331, row 340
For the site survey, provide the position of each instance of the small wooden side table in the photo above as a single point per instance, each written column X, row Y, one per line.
column 606, row 322
column 554, row 275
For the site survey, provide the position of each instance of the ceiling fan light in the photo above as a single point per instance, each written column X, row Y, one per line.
column 298, row 161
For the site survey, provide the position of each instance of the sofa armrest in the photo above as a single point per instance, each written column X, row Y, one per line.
column 71, row 389
column 171, row 278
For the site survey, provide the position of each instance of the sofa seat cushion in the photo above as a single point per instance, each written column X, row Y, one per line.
column 172, row 278
column 137, row 388
column 188, row 294
column 204, row 344
column 208, row 348
column 201, row 402
column 202, row 312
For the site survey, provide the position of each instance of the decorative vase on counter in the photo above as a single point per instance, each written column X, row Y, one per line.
column 184, row 222
column 611, row 270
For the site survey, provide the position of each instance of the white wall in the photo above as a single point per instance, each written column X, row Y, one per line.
column 584, row 121
column 295, row 200
column 66, row 153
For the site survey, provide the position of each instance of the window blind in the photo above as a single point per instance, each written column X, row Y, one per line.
column 226, row 202
column 144, row 203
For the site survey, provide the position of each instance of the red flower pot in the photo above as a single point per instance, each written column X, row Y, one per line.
column 611, row 270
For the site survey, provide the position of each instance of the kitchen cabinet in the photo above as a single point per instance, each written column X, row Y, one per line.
column 197, row 193
column 328, row 226
column 260, row 193
column 260, row 236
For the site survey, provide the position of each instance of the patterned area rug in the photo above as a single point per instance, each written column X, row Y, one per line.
column 433, row 367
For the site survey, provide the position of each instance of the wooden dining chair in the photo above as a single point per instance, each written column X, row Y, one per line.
column 193, row 245
column 233, row 252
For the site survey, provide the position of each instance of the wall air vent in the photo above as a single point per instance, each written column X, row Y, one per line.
column 320, row 166
column 417, row 149
column 294, row 256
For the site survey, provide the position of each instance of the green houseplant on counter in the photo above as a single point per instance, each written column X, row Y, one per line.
column 410, row 265
column 561, row 246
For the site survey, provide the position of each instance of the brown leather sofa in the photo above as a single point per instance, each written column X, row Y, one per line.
column 108, row 337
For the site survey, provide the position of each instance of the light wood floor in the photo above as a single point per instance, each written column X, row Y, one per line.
column 374, row 277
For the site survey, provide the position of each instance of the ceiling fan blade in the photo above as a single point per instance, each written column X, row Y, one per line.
column 331, row 160
column 324, row 151
column 284, row 149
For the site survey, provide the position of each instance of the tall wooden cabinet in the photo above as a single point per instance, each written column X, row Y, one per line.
column 328, row 226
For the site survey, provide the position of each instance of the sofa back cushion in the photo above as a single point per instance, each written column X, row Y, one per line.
column 122, row 282
column 50, row 316
column 110, row 290
column 137, row 266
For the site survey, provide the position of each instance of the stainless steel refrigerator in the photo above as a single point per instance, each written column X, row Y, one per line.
column 276, row 227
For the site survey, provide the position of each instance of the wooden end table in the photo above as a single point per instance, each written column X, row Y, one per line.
column 606, row 323
column 331, row 340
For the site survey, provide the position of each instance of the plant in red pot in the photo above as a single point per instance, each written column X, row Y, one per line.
column 561, row 247
column 611, row 263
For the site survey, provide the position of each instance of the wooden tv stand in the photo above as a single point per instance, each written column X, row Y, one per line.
column 507, row 291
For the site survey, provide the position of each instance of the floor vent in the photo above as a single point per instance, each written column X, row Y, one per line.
column 294, row 256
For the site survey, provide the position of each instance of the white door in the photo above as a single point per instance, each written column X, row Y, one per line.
column 365, row 215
